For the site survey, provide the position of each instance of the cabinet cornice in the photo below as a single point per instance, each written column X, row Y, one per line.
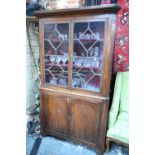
column 110, row 8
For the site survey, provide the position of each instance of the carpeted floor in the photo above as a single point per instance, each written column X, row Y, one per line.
column 52, row 146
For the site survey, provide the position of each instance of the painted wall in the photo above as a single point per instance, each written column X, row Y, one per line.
column 121, row 51
column 31, row 72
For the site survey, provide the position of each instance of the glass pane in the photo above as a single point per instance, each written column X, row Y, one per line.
column 88, row 55
column 56, row 48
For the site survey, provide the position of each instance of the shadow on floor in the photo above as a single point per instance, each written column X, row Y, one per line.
column 51, row 146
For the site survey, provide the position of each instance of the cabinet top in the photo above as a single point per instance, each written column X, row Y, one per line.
column 110, row 8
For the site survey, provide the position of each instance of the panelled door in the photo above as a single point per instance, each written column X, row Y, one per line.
column 56, row 115
column 84, row 122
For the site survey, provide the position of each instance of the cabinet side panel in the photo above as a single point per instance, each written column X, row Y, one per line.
column 111, row 26
column 103, row 128
column 42, row 113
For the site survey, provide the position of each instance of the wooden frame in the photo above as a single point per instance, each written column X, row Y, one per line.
column 79, row 109
column 108, row 48
column 109, row 140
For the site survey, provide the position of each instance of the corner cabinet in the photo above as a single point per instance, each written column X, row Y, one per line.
column 76, row 49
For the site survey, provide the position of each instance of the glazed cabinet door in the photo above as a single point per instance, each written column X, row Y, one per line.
column 55, row 115
column 56, row 54
column 88, row 53
column 85, row 117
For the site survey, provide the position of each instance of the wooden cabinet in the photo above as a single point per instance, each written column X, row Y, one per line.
column 76, row 47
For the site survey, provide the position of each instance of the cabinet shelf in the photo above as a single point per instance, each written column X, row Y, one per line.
column 83, row 57
column 88, row 57
column 57, row 40
column 92, row 40
column 56, row 65
column 63, row 65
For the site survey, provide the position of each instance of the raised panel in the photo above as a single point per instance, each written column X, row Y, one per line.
column 56, row 114
column 84, row 120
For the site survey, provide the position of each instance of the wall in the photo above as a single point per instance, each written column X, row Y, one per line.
column 31, row 72
column 121, row 51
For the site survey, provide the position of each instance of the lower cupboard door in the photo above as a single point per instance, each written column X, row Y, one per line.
column 85, row 118
column 56, row 115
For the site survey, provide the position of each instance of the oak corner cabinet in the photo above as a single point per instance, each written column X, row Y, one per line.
column 76, row 49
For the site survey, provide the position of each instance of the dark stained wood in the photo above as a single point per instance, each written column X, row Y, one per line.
column 56, row 114
column 77, row 114
column 72, row 93
column 110, row 8
column 70, row 55
column 42, row 111
column 103, row 128
column 108, row 54
column 84, row 119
